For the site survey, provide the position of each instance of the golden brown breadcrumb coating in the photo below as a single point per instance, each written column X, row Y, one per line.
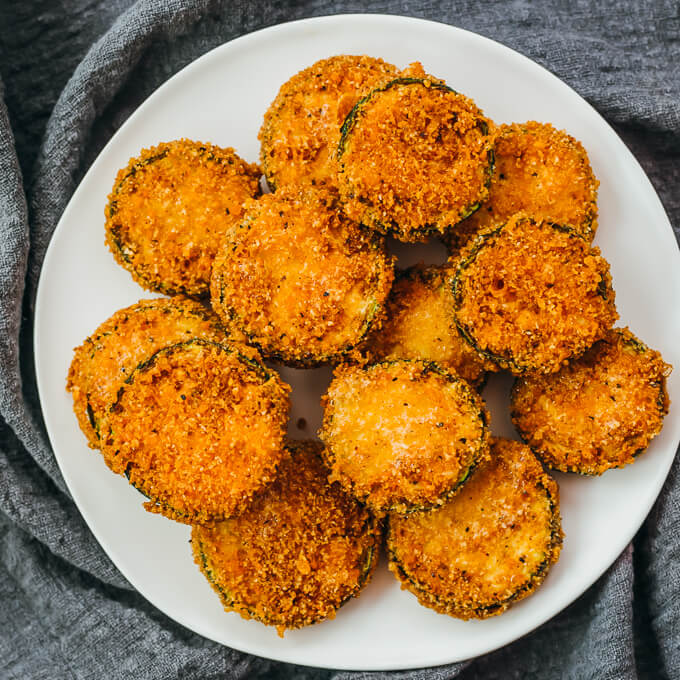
column 419, row 325
column 169, row 210
column 301, row 128
column 599, row 411
column 541, row 171
column 402, row 435
column 198, row 428
column 298, row 553
column 490, row 546
column 105, row 359
column 415, row 157
column 304, row 283
column 530, row 295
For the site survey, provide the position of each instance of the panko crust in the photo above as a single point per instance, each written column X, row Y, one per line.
column 402, row 435
column 198, row 428
column 490, row 546
column 170, row 208
column 106, row 358
column 301, row 550
column 530, row 295
column 301, row 128
column 599, row 411
column 415, row 157
column 539, row 170
column 419, row 325
column 300, row 280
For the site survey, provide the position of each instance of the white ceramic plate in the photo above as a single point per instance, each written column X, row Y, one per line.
column 221, row 98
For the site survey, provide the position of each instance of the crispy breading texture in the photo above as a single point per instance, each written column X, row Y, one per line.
column 169, row 210
column 298, row 553
column 301, row 128
column 402, row 435
column 529, row 295
column 490, row 546
column 541, row 171
column 304, row 283
column 198, row 428
column 107, row 357
column 414, row 158
column 599, row 411
column 419, row 325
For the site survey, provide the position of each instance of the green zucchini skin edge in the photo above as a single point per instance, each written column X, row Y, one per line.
column 166, row 310
column 353, row 118
column 115, row 230
column 266, row 170
column 117, row 241
column 357, row 110
column 479, row 242
column 177, row 515
column 307, row 360
column 145, row 365
column 113, row 204
column 466, row 473
column 638, row 347
column 228, row 348
column 482, row 611
column 571, row 470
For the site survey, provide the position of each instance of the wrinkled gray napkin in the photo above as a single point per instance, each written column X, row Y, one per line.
column 65, row 611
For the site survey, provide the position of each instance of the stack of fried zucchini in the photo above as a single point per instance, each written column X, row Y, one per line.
column 175, row 392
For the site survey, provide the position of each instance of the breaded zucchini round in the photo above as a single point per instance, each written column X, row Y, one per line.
column 198, row 428
column 402, row 435
column 114, row 350
column 491, row 545
column 529, row 295
column 419, row 325
column 298, row 553
column 541, row 171
column 304, row 283
column 301, row 128
column 599, row 411
column 415, row 157
column 169, row 210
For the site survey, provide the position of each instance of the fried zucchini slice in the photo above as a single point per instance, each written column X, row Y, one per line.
column 415, row 157
column 169, row 210
column 122, row 342
column 301, row 551
column 301, row 128
column 541, row 171
column 419, row 325
column 599, row 411
column 529, row 295
column 490, row 546
column 300, row 280
column 402, row 435
column 198, row 428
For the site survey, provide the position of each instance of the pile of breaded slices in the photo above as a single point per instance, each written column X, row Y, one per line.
column 175, row 394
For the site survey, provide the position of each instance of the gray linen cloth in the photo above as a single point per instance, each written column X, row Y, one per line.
column 71, row 73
